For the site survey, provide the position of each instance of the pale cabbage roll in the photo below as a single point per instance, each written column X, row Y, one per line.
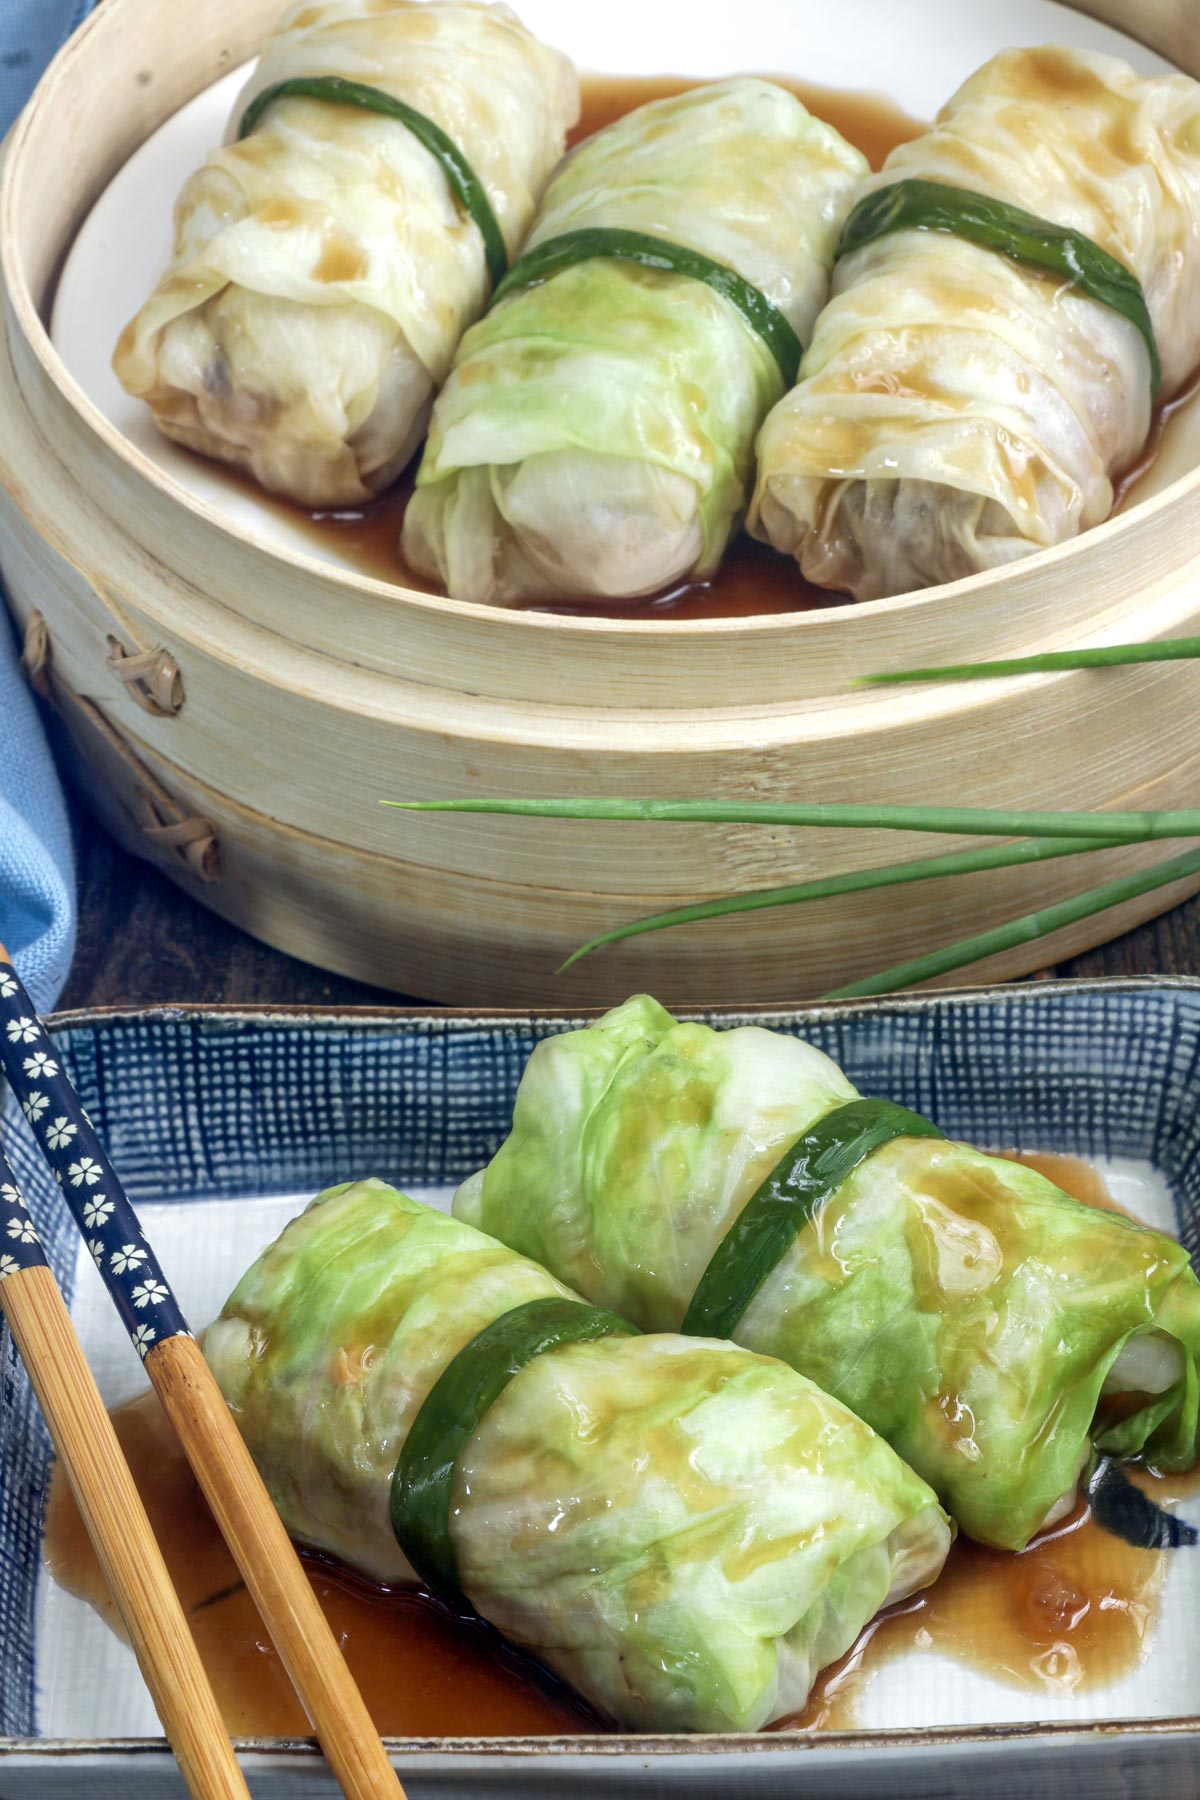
column 684, row 1531
column 957, row 410
column 979, row 1318
column 596, row 435
column 323, row 270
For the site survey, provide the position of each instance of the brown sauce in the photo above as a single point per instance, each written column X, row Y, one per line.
column 1127, row 484
column 422, row 1672
column 1082, row 1180
column 871, row 122
column 1076, row 1610
column 752, row 579
column 367, row 535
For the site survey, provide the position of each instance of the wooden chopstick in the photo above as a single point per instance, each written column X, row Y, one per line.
column 121, row 1534
column 219, row 1459
column 271, row 1569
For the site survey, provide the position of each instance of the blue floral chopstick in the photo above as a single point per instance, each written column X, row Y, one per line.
column 93, row 1192
column 218, row 1457
column 88, row 1449
column 20, row 1245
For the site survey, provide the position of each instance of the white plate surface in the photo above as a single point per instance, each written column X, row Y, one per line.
column 914, row 51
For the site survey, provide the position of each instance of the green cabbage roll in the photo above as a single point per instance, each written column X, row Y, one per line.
column 684, row 1531
column 323, row 269
column 957, row 410
column 596, row 434
column 990, row 1327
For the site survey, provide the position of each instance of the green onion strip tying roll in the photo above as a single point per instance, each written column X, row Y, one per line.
column 557, row 253
column 916, row 205
column 810, row 1172
column 452, row 1410
column 466, row 185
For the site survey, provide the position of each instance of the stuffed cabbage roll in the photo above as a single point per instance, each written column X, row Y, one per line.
column 990, row 1327
column 957, row 409
column 685, row 1531
column 596, row 435
column 324, row 267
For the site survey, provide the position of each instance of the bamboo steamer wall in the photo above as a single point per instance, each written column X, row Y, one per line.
column 289, row 698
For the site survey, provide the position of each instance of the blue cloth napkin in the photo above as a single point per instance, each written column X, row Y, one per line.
column 37, row 875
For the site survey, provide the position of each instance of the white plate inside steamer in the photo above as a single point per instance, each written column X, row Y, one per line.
column 915, row 52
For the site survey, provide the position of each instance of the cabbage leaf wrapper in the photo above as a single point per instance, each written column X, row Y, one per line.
column 683, row 1530
column 323, row 269
column 596, row 434
column 957, row 410
column 989, row 1326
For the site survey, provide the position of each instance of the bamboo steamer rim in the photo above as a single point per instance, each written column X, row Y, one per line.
column 111, row 17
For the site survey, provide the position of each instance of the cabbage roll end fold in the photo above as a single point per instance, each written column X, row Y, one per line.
column 957, row 410
column 323, row 270
column 685, row 1531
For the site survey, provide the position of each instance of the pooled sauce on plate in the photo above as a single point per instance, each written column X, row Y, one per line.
column 752, row 578
column 1075, row 1610
column 422, row 1671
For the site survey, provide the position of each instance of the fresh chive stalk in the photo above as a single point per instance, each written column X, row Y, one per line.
column 466, row 185
column 548, row 259
column 1101, row 656
column 1080, row 832
column 1077, row 260
column 1025, row 930
column 961, row 821
column 828, row 887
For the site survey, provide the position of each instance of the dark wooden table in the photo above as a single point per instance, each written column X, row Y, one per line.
column 141, row 940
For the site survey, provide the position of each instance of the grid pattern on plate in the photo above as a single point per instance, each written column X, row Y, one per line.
column 211, row 1106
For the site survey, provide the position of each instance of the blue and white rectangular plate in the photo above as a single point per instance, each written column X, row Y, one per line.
column 224, row 1121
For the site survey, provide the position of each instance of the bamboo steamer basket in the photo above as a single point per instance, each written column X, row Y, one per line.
column 237, row 714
